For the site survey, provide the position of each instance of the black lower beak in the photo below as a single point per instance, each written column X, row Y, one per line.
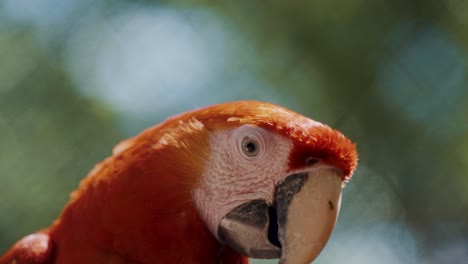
column 251, row 230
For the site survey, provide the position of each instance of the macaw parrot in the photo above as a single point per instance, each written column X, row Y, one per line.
column 214, row 185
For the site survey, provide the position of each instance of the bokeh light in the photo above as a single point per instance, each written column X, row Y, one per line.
column 423, row 77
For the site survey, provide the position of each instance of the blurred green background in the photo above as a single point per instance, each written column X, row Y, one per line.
column 78, row 76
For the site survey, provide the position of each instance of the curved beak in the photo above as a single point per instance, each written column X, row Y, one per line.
column 294, row 229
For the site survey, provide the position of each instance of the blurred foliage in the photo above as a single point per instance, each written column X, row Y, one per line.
column 49, row 136
column 76, row 77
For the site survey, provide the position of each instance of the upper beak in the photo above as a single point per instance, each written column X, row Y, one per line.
column 294, row 229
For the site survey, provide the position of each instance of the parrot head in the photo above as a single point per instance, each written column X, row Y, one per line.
column 268, row 180
column 211, row 185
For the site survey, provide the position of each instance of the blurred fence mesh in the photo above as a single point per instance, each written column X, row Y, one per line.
column 76, row 77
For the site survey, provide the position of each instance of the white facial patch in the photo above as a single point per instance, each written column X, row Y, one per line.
column 235, row 176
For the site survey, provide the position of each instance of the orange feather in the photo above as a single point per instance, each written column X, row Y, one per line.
column 136, row 206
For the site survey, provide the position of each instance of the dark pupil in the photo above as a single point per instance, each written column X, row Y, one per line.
column 250, row 147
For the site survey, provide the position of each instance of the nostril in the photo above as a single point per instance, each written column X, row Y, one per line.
column 311, row 161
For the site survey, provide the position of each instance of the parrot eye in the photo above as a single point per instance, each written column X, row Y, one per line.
column 249, row 146
column 251, row 142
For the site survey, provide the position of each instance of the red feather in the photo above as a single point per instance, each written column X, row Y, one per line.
column 137, row 207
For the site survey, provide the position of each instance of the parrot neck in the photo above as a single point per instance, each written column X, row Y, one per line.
column 136, row 212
